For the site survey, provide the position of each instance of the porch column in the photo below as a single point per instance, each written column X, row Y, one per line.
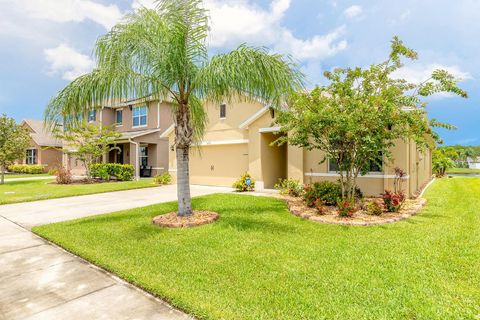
column 134, row 153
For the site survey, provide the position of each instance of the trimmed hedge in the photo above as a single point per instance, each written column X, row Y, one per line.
column 26, row 168
column 105, row 171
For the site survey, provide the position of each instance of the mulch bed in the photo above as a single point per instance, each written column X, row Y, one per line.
column 198, row 218
column 360, row 218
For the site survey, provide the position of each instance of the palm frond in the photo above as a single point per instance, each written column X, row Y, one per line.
column 248, row 72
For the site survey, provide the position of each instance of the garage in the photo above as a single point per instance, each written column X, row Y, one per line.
column 218, row 165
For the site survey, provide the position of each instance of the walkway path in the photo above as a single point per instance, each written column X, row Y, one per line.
column 41, row 281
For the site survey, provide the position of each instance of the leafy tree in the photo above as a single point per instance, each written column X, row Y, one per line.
column 14, row 141
column 356, row 118
column 441, row 162
column 163, row 53
column 88, row 143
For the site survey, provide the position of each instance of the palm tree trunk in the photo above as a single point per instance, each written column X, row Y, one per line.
column 183, row 182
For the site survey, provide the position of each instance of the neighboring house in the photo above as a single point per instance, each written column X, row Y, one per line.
column 140, row 122
column 238, row 139
column 44, row 149
column 474, row 163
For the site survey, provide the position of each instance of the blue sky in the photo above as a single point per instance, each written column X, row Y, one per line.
column 46, row 43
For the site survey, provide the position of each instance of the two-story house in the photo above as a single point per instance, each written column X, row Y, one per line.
column 238, row 139
column 141, row 122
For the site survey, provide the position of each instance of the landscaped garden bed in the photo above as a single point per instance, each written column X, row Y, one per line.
column 362, row 217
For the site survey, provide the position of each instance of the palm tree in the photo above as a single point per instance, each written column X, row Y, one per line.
column 163, row 53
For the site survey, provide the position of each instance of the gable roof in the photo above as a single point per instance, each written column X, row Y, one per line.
column 40, row 135
column 254, row 117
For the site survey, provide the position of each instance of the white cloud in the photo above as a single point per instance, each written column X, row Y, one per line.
column 353, row 11
column 69, row 11
column 66, row 61
column 235, row 22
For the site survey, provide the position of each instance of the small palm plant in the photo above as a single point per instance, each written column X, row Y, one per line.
column 162, row 53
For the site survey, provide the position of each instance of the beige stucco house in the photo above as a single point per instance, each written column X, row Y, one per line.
column 44, row 149
column 141, row 122
column 238, row 140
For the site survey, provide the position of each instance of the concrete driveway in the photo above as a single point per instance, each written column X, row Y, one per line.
column 41, row 281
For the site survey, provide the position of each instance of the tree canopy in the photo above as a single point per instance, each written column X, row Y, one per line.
column 357, row 118
column 14, row 141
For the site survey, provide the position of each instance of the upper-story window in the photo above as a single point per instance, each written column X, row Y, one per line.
column 119, row 117
column 139, row 116
column 31, row 156
column 223, row 111
column 92, row 116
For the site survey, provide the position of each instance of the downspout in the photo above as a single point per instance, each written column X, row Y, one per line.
column 158, row 114
column 137, row 169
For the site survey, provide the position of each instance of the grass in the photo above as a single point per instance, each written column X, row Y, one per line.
column 31, row 190
column 260, row 262
column 463, row 171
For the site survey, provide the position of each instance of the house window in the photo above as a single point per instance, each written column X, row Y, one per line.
column 139, row 116
column 92, row 116
column 223, row 111
column 272, row 113
column 143, row 156
column 118, row 117
column 31, row 156
column 374, row 166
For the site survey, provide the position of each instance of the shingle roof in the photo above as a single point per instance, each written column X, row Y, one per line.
column 136, row 134
column 41, row 135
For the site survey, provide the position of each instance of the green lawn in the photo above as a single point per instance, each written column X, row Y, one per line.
column 463, row 171
column 25, row 175
column 31, row 190
column 260, row 262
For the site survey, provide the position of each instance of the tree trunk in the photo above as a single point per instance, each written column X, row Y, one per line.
column 183, row 140
column 2, row 179
column 183, row 182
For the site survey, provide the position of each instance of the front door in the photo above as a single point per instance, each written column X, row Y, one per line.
column 119, row 154
column 145, row 170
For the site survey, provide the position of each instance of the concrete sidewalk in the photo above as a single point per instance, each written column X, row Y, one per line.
column 41, row 281
column 29, row 214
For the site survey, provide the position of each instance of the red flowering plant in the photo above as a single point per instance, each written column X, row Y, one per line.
column 393, row 201
column 320, row 206
column 346, row 208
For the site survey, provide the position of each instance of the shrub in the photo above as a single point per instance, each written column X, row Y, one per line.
column 374, row 209
column 104, row 171
column 64, row 176
column 241, row 184
column 26, row 168
column 328, row 192
column 346, row 208
column 289, row 187
column 393, row 201
column 100, row 170
column 164, row 178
